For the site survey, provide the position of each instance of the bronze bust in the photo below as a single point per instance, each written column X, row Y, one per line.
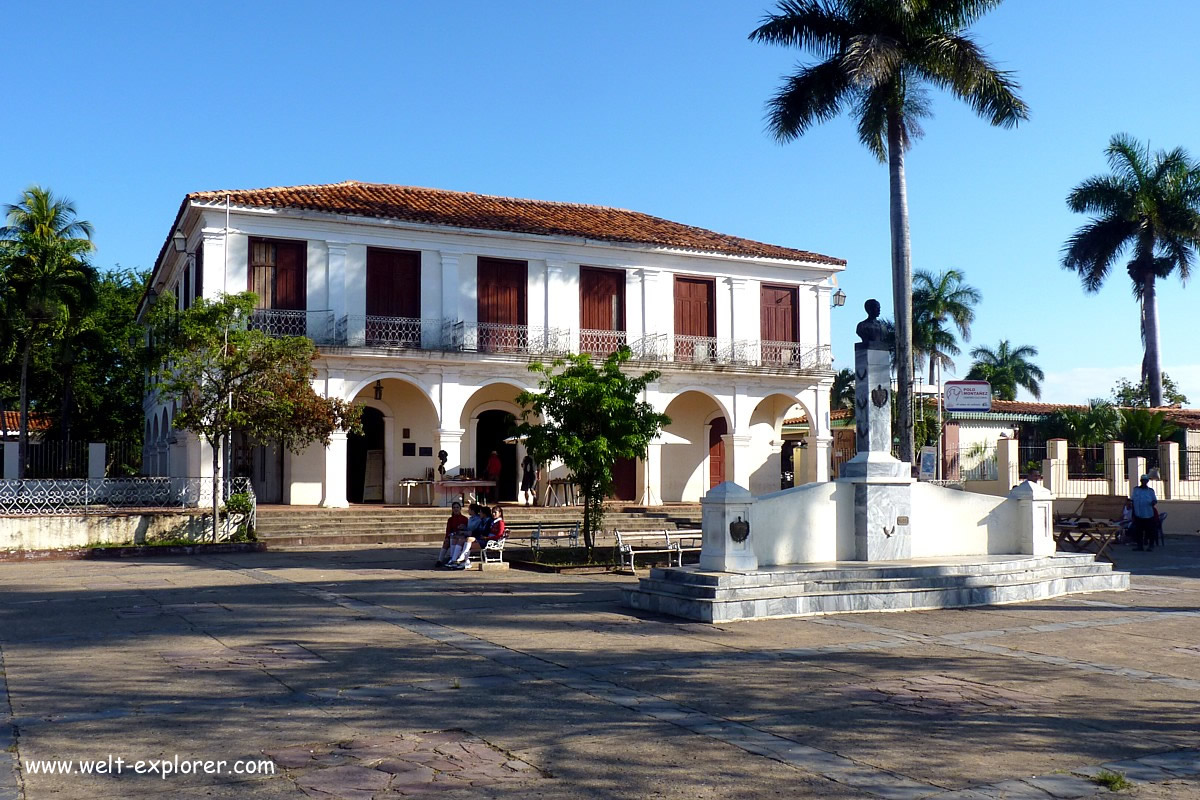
column 871, row 330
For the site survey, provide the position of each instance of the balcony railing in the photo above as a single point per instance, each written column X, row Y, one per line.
column 411, row 333
column 316, row 325
column 496, row 337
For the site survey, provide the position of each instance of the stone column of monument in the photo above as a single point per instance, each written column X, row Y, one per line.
column 882, row 483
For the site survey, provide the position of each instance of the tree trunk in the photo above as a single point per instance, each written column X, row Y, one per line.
column 1153, row 358
column 23, row 434
column 901, row 286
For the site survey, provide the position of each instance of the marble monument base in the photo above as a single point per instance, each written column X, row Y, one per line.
column 839, row 587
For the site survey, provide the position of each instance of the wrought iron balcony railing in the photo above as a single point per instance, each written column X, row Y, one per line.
column 316, row 325
column 495, row 337
column 601, row 343
column 396, row 332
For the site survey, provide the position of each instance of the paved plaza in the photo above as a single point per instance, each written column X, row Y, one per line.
column 365, row 673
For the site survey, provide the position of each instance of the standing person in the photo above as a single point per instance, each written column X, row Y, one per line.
column 1145, row 515
column 494, row 468
column 528, row 479
column 456, row 523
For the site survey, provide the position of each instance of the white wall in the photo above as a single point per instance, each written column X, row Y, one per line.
column 803, row 525
column 949, row 522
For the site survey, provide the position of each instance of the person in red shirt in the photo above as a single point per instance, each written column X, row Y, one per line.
column 494, row 468
column 456, row 524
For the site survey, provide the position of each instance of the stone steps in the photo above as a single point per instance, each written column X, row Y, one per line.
column 805, row 590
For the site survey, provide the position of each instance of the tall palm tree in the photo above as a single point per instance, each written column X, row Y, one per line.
column 47, row 280
column 1149, row 205
column 938, row 301
column 1006, row 368
column 876, row 58
column 841, row 395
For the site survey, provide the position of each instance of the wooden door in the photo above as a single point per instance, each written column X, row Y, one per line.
column 716, row 451
column 625, row 479
column 778, row 317
column 291, row 289
column 950, row 460
column 601, row 310
column 502, row 286
column 393, row 297
column 694, row 317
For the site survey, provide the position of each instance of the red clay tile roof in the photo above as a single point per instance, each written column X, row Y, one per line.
column 37, row 422
column 486, row 212
column 837, row 413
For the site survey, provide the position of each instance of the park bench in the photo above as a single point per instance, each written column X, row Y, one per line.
column 543, row 534
column 1093, row 527
column 631, row 544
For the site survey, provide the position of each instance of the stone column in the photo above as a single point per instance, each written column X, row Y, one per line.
column 1135, row 469
column 450, row 440
column 97, row 455
column 335, row 472
column 391, row 461
column 11, row 470
column 882, row 483
column 737, row 458
column 1008, row 465
column 450, row 288
column 336, row 279
column 1168, row 467
column 1114, row 466
column 1035, row 529
column 725, row 514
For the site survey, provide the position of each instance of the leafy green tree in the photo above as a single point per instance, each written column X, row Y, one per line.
column 228, row 377
column 1142, row 428
column 1149, row 207
column 1137, row 395
column 1091, row 427
column 1007, row 368
column 48, row 283
column 587, row 417
column 842, row 393
column 876, row 58
column 940, row 301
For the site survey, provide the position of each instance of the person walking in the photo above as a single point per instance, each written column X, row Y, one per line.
column 1145, row 515
column 528, row 479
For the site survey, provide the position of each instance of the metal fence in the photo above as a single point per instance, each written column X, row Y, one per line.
column 316, row 325
column 978, row 463
column 44, row 497
column 1148, row 453
column 56, row 459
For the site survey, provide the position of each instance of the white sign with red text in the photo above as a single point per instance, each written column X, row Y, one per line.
column 967, row 395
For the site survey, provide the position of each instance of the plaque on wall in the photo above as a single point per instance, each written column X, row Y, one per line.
column 409, row 449
column 425, row 452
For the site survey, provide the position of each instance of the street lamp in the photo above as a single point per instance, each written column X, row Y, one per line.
column 179, row 241
column 839, row 299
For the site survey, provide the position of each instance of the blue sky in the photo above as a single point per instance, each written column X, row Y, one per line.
column 655, row 106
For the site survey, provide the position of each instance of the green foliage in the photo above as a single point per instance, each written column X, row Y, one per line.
column 1149, row 207
column 938, row 302
column 228, row 377
column 1137, row 395
column 842, row 393
column 46, row 284
column 1007, row 368
column 1141, row 428
column 1113, row 781
column 238, row 503
column 1100, row 423
column 588, row 417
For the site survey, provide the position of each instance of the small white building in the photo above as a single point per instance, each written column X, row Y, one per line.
column 428, row 306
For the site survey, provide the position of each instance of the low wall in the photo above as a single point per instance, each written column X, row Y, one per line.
column 1183, row 516
column 815, row 522
column 58, row 532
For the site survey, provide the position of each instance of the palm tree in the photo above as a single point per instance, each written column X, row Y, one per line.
column 47, row 282
column 876, row 58
column 1006, row 368
column 938, row 300
column 841, row 395
column 1151, row 206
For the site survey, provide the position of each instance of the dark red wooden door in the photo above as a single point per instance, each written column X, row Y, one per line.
column 716, row 451
column 393, row 283
column 502, row 286
column 625, row 479
column 694, row 309
column 778, row 309
column 601, row 299
column 291, row 262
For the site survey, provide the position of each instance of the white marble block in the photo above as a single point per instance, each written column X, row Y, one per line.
column 1035, row 518
column 725, row 504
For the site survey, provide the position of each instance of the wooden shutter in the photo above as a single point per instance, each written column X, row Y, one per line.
column 393, row 283
column 261, row 271
column 694, row 306
column 502, row 286
column 601, row 299
column 291, row 273
column 778, row 313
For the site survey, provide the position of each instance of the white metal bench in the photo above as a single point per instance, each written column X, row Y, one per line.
column 689, row 540
column 631, row 544
column 492, row 552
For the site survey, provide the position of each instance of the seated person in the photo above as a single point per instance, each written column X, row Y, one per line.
column 461, row 548
column 456, row 524
column 492, row 531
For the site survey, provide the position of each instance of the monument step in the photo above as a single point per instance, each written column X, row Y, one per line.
column 833, row 586
column 729, row 601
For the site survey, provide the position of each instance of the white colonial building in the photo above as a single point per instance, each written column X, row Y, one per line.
column 429, row 305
